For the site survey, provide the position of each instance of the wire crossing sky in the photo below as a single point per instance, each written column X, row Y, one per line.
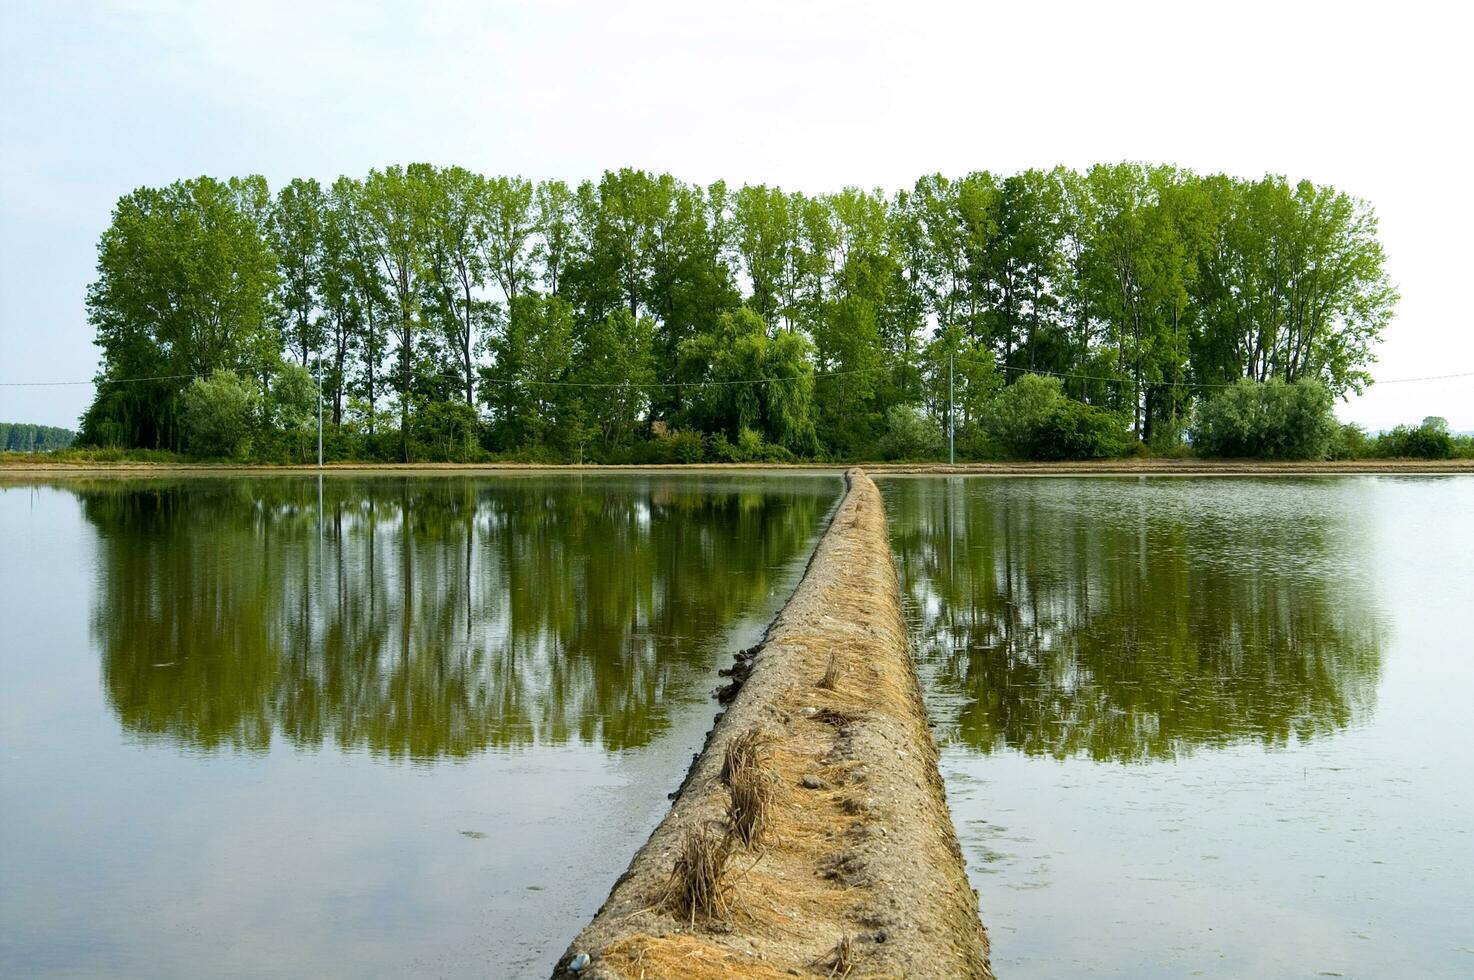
column 97, row 99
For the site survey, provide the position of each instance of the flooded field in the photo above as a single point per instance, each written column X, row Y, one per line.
column 1203, row 727
column 416, row 729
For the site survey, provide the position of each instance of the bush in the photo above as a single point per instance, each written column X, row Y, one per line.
column 910, row 434
column 1427, row 441
column 675, row 446
column 1350, row 442
column 292, row 402
column 218, row 415
column 1033, row 419
column 1074, row 430
column 1266, row 420
column 445, row 431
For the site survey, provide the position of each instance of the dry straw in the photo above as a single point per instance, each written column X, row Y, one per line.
column 698, row 886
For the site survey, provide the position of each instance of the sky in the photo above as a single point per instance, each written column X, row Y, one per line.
column 97, row 99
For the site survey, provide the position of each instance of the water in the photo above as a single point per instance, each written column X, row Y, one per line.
column 1203, row 727
column 418, row 732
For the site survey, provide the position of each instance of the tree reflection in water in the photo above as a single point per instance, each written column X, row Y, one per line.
column 1135, row 619
column 428, row 618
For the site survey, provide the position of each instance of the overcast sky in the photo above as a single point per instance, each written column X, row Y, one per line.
column 99, row 98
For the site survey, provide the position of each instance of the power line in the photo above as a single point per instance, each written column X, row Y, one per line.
column 1188, row 384
column 95, row 381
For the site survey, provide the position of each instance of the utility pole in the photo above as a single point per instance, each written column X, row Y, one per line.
column 951, row 417
column 319, row 410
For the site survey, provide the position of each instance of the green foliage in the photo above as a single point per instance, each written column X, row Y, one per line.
column 675, row 446
column 910, row 434
column 1430, row 440
column 445, row 431
column 748, row 380
column 18, row 437
column 184, row 288
column 523, row 389
column 292, row 401
column 570, row 320
column 1033, row 419
column 1350, row 441
column 1267, row 420
column 219, row 414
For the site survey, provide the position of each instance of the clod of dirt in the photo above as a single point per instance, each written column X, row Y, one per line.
column 810, row 781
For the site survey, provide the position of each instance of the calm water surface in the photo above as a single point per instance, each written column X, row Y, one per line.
column 1204, row 727
column 417, row 732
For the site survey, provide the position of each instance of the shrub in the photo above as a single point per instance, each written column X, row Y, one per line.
column 218, row 415
column 1266, row 420
column 674, row 446
column 1427, row 441
column 1074, row 430
column 292, row 402
column 445, row 431
column 1350, row 442
column 910, row 434
column 1033, row 419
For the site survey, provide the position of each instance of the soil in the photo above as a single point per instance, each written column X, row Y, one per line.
column 858, row 872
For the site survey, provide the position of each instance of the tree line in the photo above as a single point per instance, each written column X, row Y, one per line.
column 23, row 437
column 452, row 315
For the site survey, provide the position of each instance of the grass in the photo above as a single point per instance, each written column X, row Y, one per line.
column 746, row 750
column 841, row 960
column 754, row 793
column 831, row 673
column 698, row 885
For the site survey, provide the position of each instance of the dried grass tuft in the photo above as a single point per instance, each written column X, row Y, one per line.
column 746, row 750
column 750, row 811
column 831, row 673
column 841, row 959
column 698, row 885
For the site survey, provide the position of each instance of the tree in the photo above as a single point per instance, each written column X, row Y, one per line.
column 1142, row 289
column 746, row 380
column 396, row 204
column 1295, row 285
column 614, row 365
column 910, row 433
column 296, row 235
column 524, row 387
column 457, row 232
column 553, row 207
column 183, row 289
column 510, row 220
column 1033, row 419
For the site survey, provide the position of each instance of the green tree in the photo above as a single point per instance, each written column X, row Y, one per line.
column 614, row 363
column 396, row 205
column 296, row 234
column 524, row 387
column 746, row 380
column 457, row 231
column 184, row 288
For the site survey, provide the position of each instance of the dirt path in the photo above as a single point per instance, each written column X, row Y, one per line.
column 853, row 868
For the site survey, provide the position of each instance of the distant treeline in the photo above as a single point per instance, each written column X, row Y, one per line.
column 19, row 437
column 451, row 315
